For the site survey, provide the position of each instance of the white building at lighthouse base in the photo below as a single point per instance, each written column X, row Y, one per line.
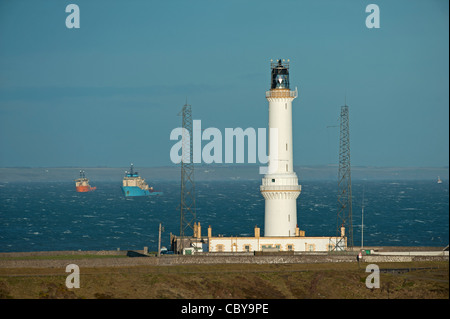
column 298, row 243
column 282, row 243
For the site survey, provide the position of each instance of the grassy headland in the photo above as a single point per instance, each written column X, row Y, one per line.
column 417, row 280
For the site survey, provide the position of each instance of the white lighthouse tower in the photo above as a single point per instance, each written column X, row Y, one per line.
column 280, row 185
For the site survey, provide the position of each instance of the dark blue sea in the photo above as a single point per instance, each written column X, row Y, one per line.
column 52, row 216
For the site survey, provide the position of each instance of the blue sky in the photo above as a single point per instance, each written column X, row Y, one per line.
column 108, row 93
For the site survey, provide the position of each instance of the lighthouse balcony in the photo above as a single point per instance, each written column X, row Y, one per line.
column 282, row 93
column 280, row 188
column 280, row 192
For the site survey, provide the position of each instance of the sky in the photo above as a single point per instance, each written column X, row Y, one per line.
column 109, row 93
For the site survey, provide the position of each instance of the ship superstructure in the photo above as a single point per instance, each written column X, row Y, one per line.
column 82, row 184
column 134, row 185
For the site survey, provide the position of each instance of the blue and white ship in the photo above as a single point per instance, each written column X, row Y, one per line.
column 134, row 185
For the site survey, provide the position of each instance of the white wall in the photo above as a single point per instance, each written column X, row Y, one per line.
column 237, row 244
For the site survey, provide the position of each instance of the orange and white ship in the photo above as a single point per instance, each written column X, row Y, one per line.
column 82, row 184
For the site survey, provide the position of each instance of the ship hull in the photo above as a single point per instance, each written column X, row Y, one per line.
column 84, row 189
column 130, row 191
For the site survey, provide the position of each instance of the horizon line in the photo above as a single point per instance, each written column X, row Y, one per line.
column 224, row 165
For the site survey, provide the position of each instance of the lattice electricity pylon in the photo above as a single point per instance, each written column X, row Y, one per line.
column 344, row 216
column 187, row 202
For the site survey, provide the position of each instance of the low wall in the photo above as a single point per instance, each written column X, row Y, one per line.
column 413, row 253
column 180, row 260
column 386, row 259
column 169, row 261
column 192, row 260
column 64, row 253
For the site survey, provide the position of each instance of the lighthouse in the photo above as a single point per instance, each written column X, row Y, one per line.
column 280, row 187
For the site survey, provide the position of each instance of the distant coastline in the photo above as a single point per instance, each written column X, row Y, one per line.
column 218, row 173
